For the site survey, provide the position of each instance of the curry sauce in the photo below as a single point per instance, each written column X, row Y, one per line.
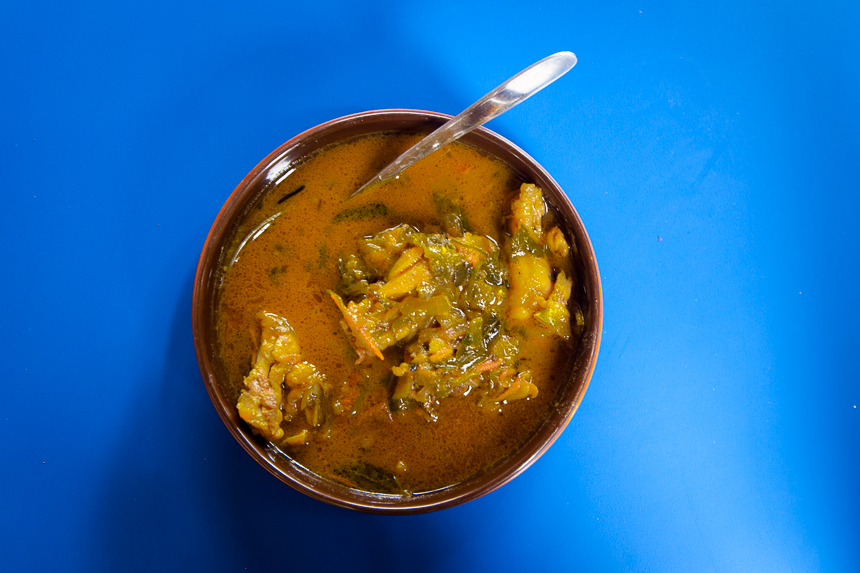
column 284, row 259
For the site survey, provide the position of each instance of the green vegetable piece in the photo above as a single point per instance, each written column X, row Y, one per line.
column 472, row 348
column 274, row 274
column 492, row 270
column 485, row 290
column 354, row 276
column 369, row 331
column 451, row 215
column 445, row 261
column 368, row 211
column 522, row 243
column 379, row 251
column 490, row 329
column 556, row 316
column 369, row 478
column 507, row 348
column 323, row 256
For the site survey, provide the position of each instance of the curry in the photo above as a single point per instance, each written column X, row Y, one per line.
column 406, row 339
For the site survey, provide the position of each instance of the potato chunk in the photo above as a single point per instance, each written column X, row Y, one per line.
column 531, row 283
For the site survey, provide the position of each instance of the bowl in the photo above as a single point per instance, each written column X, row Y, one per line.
column 258, row 181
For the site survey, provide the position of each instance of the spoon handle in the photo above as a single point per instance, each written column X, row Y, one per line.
column 514, row 91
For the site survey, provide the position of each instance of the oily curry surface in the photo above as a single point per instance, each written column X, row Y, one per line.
column 287, row 259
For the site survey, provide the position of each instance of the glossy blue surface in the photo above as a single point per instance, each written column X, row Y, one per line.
column 710, row 148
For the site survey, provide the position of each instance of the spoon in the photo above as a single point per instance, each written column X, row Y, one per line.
column 514, row 91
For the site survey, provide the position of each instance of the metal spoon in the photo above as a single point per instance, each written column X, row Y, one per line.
column 517, row 89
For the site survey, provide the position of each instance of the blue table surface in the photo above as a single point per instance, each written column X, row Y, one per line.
column 711, row 150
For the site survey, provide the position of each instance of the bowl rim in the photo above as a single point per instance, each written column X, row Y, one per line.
column 302, row 479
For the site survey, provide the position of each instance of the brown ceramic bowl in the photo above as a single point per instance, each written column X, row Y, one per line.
column 203, row 320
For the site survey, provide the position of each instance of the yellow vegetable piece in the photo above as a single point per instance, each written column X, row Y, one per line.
column 556, row 316
column 299, row 439
column 521, row 388
column 556, row 242
column 404, row 383
column 406, row 283
column 358, row 329
column 473, row 248
column 279, row 338
column 441, row 355
column 380, row 250
column 531, row 283
column 527, row 210
column 407, row 259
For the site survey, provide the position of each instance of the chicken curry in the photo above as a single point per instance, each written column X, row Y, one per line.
column 405, row 339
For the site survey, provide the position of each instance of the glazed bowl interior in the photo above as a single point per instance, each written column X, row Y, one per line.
column 263, row 178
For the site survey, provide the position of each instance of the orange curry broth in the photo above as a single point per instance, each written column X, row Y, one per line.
column 288, row 268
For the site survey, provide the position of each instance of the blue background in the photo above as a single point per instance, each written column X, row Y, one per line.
column 711, row 149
